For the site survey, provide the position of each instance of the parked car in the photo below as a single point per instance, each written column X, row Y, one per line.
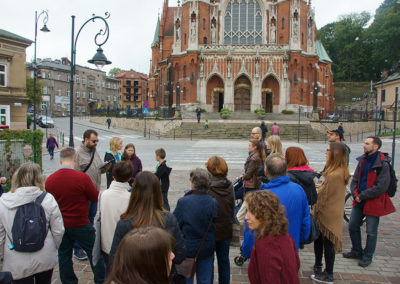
column 46, row 122
column 333, row 116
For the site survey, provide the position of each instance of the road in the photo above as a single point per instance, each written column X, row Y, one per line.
column 187, row 154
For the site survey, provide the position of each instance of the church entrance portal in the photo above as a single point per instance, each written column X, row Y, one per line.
column 270, row 94
column 242, row 94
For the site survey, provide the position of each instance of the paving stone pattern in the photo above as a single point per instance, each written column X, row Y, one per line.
column 384, row 269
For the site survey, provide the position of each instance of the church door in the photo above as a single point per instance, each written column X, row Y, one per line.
column 242, row 94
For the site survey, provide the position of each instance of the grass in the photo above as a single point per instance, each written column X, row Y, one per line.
column 390, row 133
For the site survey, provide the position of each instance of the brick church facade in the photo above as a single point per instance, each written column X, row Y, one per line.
column 241, row 55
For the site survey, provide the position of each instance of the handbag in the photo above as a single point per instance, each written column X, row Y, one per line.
column 314, row 231
column 188, row 267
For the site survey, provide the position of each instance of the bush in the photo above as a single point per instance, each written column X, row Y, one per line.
column 287, row 111
column 260, row 113
column 28, row 121
column 225, row 113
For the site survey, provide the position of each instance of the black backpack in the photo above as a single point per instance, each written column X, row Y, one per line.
column 391, row 191
column 29, row 229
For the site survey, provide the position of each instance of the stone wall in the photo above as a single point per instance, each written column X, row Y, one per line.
column 164, row 125
column 350, row 128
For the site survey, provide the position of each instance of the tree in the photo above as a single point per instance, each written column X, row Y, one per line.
column 29, row 90
column 114, row 71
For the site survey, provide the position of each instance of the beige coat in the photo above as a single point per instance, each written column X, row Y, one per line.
column 83, row 156
column 24, row 264
column 113, row 202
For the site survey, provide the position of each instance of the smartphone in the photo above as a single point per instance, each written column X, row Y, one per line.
column 105, row 165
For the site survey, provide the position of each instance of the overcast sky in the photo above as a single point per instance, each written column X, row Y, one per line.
column 132, row 25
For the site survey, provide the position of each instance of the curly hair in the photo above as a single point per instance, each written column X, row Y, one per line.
column 266, row 208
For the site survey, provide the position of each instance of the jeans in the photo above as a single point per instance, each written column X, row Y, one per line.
column 204, row 271
column 41, row 277
column 84, row 236
column 92, row 214
column 355, row 233
column 165, row 200
column 323, row 246
column 51, row 151
column 224, row 268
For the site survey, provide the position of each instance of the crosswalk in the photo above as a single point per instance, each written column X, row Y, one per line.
column 106, row 138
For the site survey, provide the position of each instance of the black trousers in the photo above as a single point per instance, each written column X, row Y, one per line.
column 323, row 246
column 41, row 277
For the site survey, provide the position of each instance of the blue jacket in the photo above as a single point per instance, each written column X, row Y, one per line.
column 193, row 212
column 292, row 196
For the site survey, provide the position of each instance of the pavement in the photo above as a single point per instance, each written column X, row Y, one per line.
column 386, row 264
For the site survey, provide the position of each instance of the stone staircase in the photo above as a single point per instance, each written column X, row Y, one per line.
column 241, row 130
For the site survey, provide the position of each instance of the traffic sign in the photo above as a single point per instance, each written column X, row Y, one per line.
column 145, row 104
column 145, row 110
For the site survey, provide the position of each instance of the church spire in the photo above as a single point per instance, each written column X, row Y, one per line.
column 156, row 38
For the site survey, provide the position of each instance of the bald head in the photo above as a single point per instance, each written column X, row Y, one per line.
column 275, row 166
column 256, row 133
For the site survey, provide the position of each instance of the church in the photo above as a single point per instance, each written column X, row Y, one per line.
column 239, row 54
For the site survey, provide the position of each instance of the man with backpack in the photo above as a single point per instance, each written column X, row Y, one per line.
column 372, row 182
column 73, row 190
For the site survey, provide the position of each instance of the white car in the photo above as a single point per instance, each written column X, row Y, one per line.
column 46, row 122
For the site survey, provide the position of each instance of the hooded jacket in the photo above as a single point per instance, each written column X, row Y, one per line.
column 162, row 173
column 221, row 189
column 377, row 201
column 83, row 156
column 304, row 176
column 137, row 166
column 24, row 264
column 109, row 156
column 252, row 165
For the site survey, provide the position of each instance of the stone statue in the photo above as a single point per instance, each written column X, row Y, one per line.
column 201, row 69
column 273, row 33
column 193, row 29
column 257, row 69
column 213, row 32
column 178, row 29
column 229, row 69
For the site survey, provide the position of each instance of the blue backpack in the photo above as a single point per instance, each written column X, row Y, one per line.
column 29, row 229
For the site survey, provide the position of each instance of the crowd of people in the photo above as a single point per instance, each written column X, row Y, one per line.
column 136, row 239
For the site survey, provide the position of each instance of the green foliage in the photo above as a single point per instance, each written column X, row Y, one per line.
column 28, row 121
column 33, row 138
column 114, row 71
column 29, row 90
column 287, row 111
column 260, row 112
column 390, row 133
column 360, row 53
column 225, row 113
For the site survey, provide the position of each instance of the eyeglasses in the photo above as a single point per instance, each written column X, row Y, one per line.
column 328, row 150
column 253, row 133
column 94, row 141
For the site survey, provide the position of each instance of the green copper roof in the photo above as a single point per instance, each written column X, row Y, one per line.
column 156, row 39
column 5, row 33
column 323, row 55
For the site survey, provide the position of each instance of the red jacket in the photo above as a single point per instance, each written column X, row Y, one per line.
column 377, row 201
column 72, row 191
column 274, row 259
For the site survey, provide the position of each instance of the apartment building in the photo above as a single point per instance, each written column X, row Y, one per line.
column 133, row 89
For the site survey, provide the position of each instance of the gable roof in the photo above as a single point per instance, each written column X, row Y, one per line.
column 322, row 54
column 156, row 38
column 393, row 77
column 11, row 35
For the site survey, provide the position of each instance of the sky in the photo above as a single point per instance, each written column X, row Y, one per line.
column 132, row 24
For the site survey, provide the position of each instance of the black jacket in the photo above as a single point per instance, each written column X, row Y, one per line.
column 306, row 180
column 162, row 173
column 109, row 157
column 221, row 189
column 171, row 226
column 264, row 130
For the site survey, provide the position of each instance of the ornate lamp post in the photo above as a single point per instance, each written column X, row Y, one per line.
column 99, row 59
column 43, row 29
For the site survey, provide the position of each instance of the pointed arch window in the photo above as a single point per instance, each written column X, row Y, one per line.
column 243, row 22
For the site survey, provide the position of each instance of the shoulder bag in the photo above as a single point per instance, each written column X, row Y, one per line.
column 90, row 163
column 188, row 267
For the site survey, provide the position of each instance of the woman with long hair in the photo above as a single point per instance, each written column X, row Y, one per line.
column 221, row 189
column 251, row 177
column 114, row 156
column 144, row 256
column 130, row 155
column 145, row 208
column 37, row 266
column 328, row 211
column 274, row 145
column 300, row 172
column 274, row 256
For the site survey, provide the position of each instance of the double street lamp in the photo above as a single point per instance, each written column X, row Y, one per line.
column 35, row 71
column 99, row 59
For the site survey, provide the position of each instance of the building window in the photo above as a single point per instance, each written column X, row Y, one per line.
column 184, row 71
column 3, row 75
column 59, row 77
column 77, row 94
column 295, row 78
column 283, row 23
column 205, row 40
column 97, row 83
column 90, row 83
column 185, row 40
column 301, row 95
column 184, row 94
column 49, row 75
column 243, row 22
column 83, row 95
column 108, row 85
column 77, row 79
column 68, row 78
column 83, row 81
column 103, row 84
column 383, row 94
column 59, row 92
column 90, row 95
column 43, row 74
column 204, row 24
column 44, row 90
column 68, row 92
column 5, row 115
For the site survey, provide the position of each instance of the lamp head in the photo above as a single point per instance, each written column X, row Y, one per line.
column 45, row 29
column 99, row 59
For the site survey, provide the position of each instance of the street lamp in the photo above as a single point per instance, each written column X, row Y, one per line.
column 43, row 29
column 99, row 59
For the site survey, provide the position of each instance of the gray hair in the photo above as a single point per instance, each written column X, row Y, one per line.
column 28, row 174
column 200, row 179
column 257, row 129
column 276, row 166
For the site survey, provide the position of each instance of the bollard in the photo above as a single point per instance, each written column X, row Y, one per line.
column 159, row 134
column 191, row 134
column 149, row 133
column 63, row 139
column 362, row 135
column 350, row 137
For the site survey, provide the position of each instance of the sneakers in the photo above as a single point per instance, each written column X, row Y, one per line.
column 364, row 262
column 80, row 254
column 323, row 277
column 317, row 269
column 352, row 255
